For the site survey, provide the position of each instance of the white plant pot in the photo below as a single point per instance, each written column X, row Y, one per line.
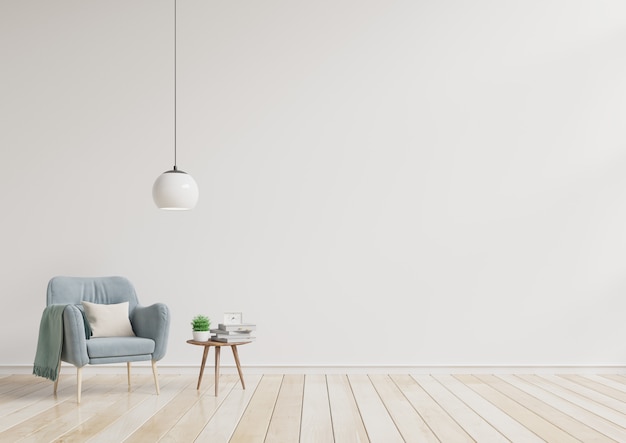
column 201, row 335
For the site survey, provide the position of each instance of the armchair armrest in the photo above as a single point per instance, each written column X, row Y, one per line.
column 153, row 322
column 74, row 342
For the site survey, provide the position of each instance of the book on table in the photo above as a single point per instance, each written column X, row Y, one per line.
column 231, row 339
column 239, row 327
column 231, row 333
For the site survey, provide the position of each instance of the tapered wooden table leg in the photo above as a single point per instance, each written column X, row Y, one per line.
column 217, row 367
column 236, row 355
column 218, row 347
column 206, row 352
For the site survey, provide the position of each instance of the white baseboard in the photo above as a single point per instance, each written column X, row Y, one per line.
column 185, row 369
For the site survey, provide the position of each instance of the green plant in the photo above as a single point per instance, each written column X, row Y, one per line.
column 200, row 323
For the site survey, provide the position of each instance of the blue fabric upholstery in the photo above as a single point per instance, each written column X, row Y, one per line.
column 150, row 323
column 103, row 290
column 154, row 322
column 119, row 347
column 74, row 344
column 128, row 358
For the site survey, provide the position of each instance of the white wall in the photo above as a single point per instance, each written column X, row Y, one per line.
column 382, row 182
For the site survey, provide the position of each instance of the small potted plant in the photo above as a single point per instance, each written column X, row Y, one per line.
column 200, row 325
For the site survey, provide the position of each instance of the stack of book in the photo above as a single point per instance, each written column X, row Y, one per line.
column 236, row 333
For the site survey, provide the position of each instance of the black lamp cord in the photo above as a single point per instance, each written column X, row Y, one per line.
column 174, row 85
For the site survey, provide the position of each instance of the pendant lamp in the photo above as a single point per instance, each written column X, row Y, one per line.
column 175, row 189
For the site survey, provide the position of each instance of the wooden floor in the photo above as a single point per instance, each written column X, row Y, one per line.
column 317, row 408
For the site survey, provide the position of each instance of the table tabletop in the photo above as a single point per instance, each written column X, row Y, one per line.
column 216, row 343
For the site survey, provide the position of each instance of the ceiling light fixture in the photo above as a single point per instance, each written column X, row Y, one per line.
column 175, row 189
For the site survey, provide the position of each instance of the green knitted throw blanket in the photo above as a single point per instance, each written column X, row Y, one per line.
column 50, row 343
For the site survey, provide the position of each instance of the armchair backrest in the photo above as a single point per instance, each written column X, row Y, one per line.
column 103, row 290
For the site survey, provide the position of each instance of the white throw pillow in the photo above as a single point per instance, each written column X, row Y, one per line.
column 108, row 320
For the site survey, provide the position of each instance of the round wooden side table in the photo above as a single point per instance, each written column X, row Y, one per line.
column 218, row 346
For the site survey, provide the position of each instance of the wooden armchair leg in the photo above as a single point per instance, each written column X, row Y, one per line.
column 56, row 382
column 156, row 376
column 128, row 372
column 79, row 383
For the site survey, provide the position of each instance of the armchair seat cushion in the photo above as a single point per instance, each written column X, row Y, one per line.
column 119, row 346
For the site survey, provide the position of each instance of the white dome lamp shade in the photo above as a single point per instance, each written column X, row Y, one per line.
column 175, row 189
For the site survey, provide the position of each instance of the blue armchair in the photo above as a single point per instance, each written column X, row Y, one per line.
column 150, row 325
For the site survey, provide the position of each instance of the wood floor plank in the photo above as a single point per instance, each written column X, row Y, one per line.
column 162, row 421
column 376, row 419
column 125, row 425
column 437, row 419
column 108, row 415
column 253, row 425
column 224, row 421
column 316, row 419
column 33, row 406
column 582, row 415
column 24, row 383
column 192, row 423
column 504, row 423
column 607, row 381
column 616, row 378
column 525, row 416
column 577, row 398
column 285, row 422
column 50, row 423
column 378, row 423
column 592, row 394
column 348, row 426
column 10, row 381
column 596, row 386
column 29, row 406
column 408, row 421
column 319, row 408
column 472, row 423
column 37, row 422
column 194, row 420
column 99, row 400
column 32, row 399
column 558, row 418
